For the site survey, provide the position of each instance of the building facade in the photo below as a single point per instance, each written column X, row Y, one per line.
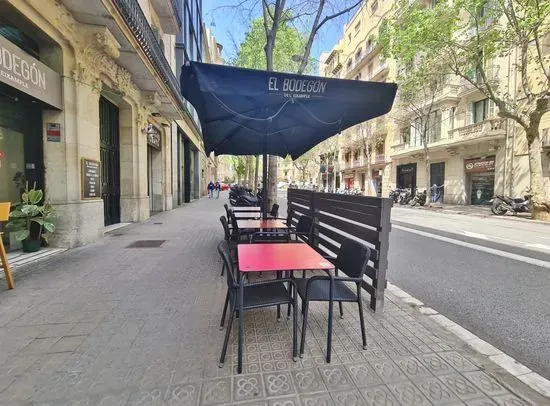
column 473, row 153
column 89, row 108
column 359, row 158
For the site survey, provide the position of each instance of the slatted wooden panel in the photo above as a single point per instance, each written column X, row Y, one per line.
column 337, row 217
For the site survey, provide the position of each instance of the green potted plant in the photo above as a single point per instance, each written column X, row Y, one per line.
column 31, row 221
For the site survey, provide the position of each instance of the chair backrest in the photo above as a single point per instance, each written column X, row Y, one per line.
column 289, row 216
column 5, row 211
column 353, row 258
column 227, row 232
column 233, row 220
column 227, row 210
column 223, row 249
column 274, row 210
column 305, row 224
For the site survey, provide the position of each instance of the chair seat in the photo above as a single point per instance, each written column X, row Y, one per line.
column 264, row 295
column 319, row 290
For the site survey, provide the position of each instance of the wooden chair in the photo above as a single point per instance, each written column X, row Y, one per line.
column 4, row 216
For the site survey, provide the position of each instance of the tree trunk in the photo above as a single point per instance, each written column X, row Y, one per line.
column 256, row 171
column 540, row 203
column 250, row 172
column 427, row 174
column 272, row 181
column 369, row 172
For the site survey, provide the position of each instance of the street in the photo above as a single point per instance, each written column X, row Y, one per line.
column 491, row 276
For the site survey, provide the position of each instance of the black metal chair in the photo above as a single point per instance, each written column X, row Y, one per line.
column 303, row 230
column 274, row 213
column 230, row 239
column 238, row 233
column 271, row 292
column 352, row 260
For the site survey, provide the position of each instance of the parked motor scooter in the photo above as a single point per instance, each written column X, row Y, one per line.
column 419, row 198
column 502, row 204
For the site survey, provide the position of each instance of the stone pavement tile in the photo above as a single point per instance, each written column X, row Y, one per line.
column 480, row 402
column 308, row 380
column 336, row 377
column 436, row 391
column 347, row 398
column 55, row 330
column 435, row 364
column 388, row 370
column 278, row 384
column 317, row 399
column 183, row 395
column 148, row 397
column 487, row 384
column 378, row 395
column 246, row 387
column 67, row 344
column 412, row 367
column 40, row 345
column 510, row 400
column 457, row 361
column 363, row 374
column 216, row 391
column 408, row 394
column 286, row 401
column 461, row 386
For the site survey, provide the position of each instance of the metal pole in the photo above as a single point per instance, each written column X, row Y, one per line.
column 264, row 187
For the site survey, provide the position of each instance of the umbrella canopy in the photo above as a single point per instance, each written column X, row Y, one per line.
column 252, row 112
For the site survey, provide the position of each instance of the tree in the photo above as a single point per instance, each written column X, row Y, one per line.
column 276, row 14
column 369, row 139
column 239, row 167
column 305, row 163
column 471, row 38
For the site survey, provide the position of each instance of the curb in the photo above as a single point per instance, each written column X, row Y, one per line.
column 473, row 214
column 532, row 379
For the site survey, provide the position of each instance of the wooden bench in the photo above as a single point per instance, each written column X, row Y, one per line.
column 4, row 216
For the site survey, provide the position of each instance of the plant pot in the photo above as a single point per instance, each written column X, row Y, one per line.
column 31, row 245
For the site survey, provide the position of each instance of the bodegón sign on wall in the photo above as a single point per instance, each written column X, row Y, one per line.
column 27, row 74
column 480, row 164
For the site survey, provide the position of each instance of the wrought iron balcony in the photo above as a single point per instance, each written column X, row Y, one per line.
column 131, row 11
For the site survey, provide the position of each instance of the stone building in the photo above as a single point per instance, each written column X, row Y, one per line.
column 89, row 110
column 474, row 154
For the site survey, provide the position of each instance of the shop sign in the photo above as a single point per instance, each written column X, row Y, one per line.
column 91, row 186
column 27, row 74
column 153, row 136
column 53, row 132
column 331, row 169
column 480, row 164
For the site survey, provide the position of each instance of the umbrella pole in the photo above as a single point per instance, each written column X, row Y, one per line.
column 264, row 187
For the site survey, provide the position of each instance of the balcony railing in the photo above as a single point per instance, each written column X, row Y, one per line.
column 378, row 70
column 137, row 22
column 477, row 129
column 379, row 158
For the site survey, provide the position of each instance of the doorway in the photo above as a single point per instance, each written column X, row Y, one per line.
column 110, row 160
column 406, row 176
column 437, row 178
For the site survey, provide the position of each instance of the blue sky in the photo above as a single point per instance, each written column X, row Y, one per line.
column 229, row 27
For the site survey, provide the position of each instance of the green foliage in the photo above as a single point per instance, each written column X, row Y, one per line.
column 31, row 211
column 239, row 165
column 290, row 41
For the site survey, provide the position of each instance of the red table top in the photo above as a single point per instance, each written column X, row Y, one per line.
column 280, row 257
column 261, row 224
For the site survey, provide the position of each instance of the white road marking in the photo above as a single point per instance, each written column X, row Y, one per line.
column 475, row 235
column 493, row 251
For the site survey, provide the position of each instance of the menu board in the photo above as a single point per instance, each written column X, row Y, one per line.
column 91, row 183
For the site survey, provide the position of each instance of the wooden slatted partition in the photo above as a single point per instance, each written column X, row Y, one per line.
column 336, row 217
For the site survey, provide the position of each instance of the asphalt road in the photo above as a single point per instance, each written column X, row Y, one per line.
column 504, row 301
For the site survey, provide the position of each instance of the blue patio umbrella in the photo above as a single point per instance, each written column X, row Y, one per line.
column 252, row 112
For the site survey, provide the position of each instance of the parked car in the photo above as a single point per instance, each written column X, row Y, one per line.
column 224, row 186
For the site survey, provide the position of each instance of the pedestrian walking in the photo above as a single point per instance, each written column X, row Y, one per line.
column 217, row 187
column 211, row 190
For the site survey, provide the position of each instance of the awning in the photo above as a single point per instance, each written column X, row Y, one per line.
column 250, row 112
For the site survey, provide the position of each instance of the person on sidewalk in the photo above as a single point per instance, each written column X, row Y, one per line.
column 211, row 190
column 217, row 187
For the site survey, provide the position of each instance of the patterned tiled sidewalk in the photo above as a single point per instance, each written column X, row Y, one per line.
column 110, row 325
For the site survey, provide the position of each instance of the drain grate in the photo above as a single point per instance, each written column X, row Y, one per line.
column 146, row 244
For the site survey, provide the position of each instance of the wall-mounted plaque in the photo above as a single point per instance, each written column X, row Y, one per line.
column 91, row 179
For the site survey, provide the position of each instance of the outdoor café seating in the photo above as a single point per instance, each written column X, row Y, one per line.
column 241, row 297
